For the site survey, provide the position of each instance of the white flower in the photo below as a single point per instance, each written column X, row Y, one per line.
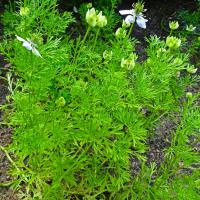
column 132, row 17
column 29, row 45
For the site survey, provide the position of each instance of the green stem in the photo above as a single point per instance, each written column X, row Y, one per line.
column 82, row 43
column 9, row 158
column 131, row 29
column 97, row 34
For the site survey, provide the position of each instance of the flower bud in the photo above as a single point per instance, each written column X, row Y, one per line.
column 125, row 24
column 190, row 28
column 120, row 33
column 139, row 7
column 101, row 20
column 160, row 51
column 60, row 102
column 91, row 17
column 89, row 5
column 107, row 55
column 178, row 61
column 178, row 74
column 191, row 69
column 129, row 63
column 173, row 25
column 173, row 42
column 189, row 95
column 24, row 11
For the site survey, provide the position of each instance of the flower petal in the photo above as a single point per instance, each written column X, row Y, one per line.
column 20, row 39
column 141, row 22
column 126, row 12
column 27, row 45
column 36, row 52
column 130, row 19
column 75, row 9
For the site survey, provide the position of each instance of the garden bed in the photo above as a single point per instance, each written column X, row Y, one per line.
column 153, row 150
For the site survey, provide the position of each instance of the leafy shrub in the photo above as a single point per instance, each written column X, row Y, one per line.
column 78, row 112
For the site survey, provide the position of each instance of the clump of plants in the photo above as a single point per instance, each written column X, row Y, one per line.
column 81, row 108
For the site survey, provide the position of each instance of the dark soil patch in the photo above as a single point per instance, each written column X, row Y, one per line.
column 160, row 141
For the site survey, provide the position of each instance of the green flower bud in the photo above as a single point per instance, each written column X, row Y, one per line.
column 107, row 55
column 173, row 42
column 178, row 61
column 89, row 5
column 129, row 63
column 125, row 25
column 190, row 28
column 101, row 20
column 120, row 33
column 139, row 7
column 189, row 95
column 173, row 25
column 178, row 74
column 160, row 51
column 37, row 38
column 24, row 11
column 91, row 17
column 60, row 102
column 191, row 69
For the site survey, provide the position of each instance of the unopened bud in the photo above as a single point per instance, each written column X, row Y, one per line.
column 24, row 11
column 91, row 17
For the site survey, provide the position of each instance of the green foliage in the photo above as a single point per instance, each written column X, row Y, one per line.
column 78, row 118
column 40, row 16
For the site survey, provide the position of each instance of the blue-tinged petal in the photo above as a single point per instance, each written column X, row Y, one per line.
column 141, row 22
column 130, row 19
column 27, row 45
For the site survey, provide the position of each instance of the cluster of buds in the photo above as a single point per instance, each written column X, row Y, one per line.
column 173, row 42
column 95, row 20
column 129, row 63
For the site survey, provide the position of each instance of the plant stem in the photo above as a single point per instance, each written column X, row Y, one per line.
column 97, row 34
column 82, row 43
column 131, row 29
column 9, row 158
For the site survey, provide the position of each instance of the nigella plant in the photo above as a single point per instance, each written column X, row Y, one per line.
column 135, row 14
